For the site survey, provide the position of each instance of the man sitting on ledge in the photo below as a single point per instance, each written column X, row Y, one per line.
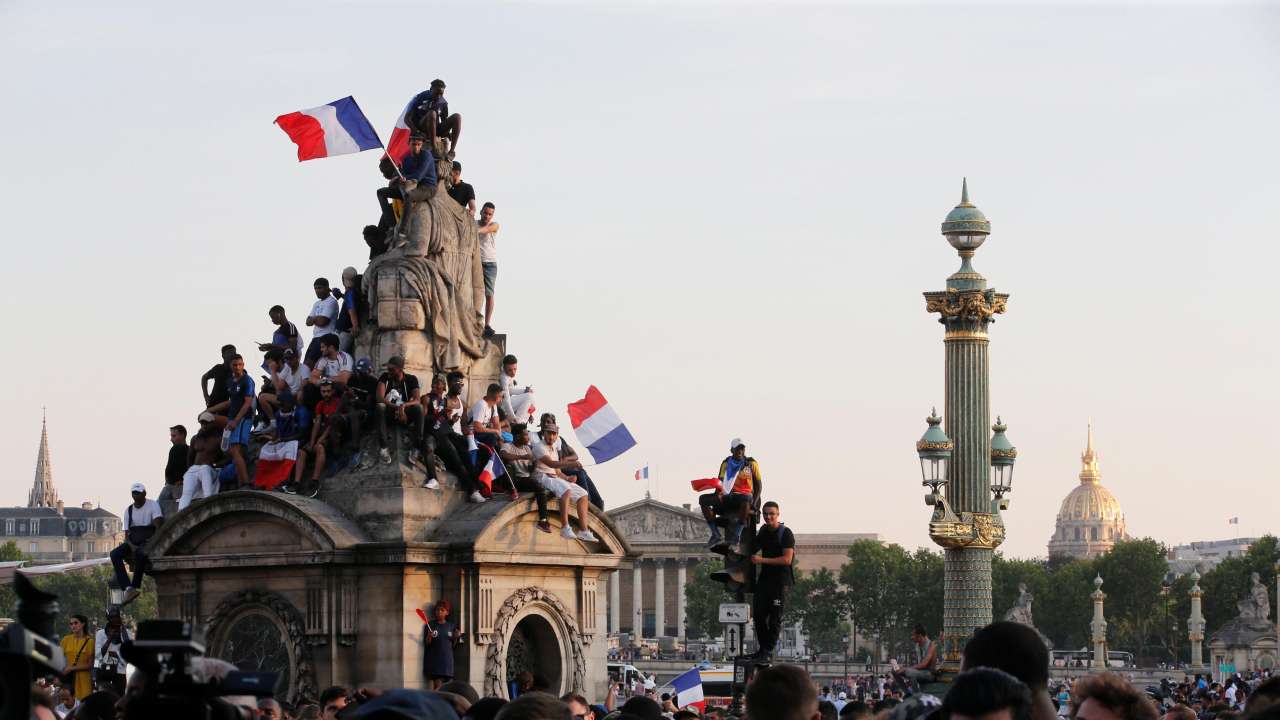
column 742, row 475
column 141, row 520
column 551, row 477
column 418, row 168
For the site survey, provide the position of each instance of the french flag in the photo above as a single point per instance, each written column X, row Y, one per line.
column 706, row 484
column 398, row 145
column 599, row 428
column 338, row 128
column 688, row 689
column 643, row 473
column 493, row 467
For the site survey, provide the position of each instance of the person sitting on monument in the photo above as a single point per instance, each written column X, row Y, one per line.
column 284, row 337
column 518, row 458
column 438, row 443
column 462, row 192
column 218, row 374
column 549, row 467
column 326, row 433
column 361, row 402
column 174, row 468
column 429, row 115
column 324, row 313
column 517, row 399
column 287, row 375
column 486, row 422
column 333, row 365
column 204, row 453
column 416, row 182
column 399, row 398
column 741, row 474
column 141, row 520
column 575, row 471
column 290, row 428
column 238, row 409
column 926, row 654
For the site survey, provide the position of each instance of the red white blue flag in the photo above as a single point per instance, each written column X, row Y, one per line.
column 599, row 428
column 398, row 144
column 688, row 687
column 643, row 473
column 338, row 128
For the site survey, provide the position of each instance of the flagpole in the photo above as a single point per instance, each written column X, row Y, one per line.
column 380, row 143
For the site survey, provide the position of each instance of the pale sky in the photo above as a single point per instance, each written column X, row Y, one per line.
column 722, row 215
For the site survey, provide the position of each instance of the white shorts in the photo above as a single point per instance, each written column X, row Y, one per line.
column 287, row 450
column 559, row 486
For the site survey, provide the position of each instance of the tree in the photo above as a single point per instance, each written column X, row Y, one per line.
column 702, row 598
column 1063, row 609
column 1229, row 581
column 819, row 603
column 9, row 552
column 877, row 577
column 85, row 593
column 1133, row 571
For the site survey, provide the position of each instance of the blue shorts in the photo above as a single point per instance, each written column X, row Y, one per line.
column 240, row 435
column 490, row 277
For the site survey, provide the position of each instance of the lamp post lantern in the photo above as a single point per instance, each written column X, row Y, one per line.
column 968, row 472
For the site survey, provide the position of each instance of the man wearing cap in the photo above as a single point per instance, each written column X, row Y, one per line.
column 399, row 397
column 416, row 182
column 575, row 471
column 549, row 467
column 741, row 474
column 348, row 324
column 429, row 115
column 462, row 192
column 141, row 520
column 206, row 448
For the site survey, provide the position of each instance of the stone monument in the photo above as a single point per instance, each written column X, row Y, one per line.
column 1248, row 640
column 1098, row 626
column 325, row 591
column 1021, row 613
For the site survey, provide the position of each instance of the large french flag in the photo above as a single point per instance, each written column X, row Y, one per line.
column 338, row 128
column 493, row 467
column 599, row 428
column 688, row 689
column 398, row 144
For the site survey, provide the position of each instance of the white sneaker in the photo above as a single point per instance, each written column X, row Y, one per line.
column 567, row 533
column 588, row 536
column 432, row 484
column 385, row 455
column 260, row 428
column 476, row 497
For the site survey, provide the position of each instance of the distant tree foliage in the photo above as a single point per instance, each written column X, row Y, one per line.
column 78, row 592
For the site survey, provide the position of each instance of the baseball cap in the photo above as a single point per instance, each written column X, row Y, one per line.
column 289, row 352
column 364, row 364
column 206, row 416
column 418, row 137
column 734, row 443
column 550, row 427
column 138, row 487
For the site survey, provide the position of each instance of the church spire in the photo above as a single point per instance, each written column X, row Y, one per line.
column 43, row 493
column 1089, row 461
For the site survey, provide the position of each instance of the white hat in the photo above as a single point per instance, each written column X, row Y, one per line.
column 138, row 487
column 735, row 443
column 843, row 696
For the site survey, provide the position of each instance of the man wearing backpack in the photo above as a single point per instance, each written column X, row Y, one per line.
column 141, row 519
column 777, row 546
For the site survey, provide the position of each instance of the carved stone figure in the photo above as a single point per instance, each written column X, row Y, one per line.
column 1257, row 604
column 426, row 298
column 1021, row 610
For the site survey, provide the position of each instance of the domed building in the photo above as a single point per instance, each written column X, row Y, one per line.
column 1090, row 520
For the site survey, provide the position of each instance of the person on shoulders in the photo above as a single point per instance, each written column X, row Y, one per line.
column 429, row 114
column 203, row 455
column 399, row 398
column 487, row 229
column 238, row 409
column 218, row 374
column 141, row 520
column 462, row 192
column 777, row 551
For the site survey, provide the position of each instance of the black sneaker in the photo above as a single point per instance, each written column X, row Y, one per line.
column 488, row 332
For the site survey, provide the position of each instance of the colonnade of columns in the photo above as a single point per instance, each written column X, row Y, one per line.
column 657, row 595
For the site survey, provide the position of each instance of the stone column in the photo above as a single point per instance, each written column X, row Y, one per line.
column 615, row 601
column 681, row 566
column 659, row 598
column 637, row 604
column 1098, row 627
column 1195, row 623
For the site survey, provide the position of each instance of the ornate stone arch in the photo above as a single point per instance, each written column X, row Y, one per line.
column 517, row 606
column 302, row 680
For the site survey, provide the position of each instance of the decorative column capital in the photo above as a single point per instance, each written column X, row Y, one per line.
column 966, row 313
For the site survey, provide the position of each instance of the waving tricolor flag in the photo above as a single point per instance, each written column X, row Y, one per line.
column 493, row 467
column 643, row 473
column 338, row 128
column 398, row 144
column 599, row 428
column 688, row 689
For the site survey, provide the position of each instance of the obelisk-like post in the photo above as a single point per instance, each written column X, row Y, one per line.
column 1195, row 623
column 1098, row 627
column 966, row 520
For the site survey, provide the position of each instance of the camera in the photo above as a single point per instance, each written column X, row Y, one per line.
column 26, row 648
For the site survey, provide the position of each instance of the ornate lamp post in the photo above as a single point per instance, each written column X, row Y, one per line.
column 968, row 473
column 1195, row 623
column 1098, row 627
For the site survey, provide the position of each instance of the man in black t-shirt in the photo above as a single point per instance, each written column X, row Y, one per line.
column 399, row 398
column 174, row 469
column 777, row 546
column 462, row 192
column 219, row 374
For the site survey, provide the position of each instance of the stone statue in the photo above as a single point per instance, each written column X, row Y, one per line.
column 1257, row 604
column 426, row 297
column 1021, row 610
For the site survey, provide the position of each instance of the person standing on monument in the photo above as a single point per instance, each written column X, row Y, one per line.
column 777, row 551
column 284, row 337
column 399, row 397
column 238, row 408
column 218, row 374
column 348, row 323
column 439, row 637
column 204, row 453
column 488, row 231
column 174, row 469
column 324, row 312
column 462, row 192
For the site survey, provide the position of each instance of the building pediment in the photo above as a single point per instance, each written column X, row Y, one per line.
column 651, row 521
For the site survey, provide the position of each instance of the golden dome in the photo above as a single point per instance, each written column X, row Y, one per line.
column 1090, row 519
column 1091, row 501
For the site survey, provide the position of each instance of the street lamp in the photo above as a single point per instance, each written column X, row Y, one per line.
column 845, row 640
column 1166, row 585
column 1003, row 455
column 934, row 449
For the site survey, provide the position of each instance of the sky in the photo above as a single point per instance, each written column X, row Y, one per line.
column 723, row 215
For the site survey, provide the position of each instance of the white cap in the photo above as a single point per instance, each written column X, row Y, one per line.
column 843, row 696
column 735, row 443
column 138, row 487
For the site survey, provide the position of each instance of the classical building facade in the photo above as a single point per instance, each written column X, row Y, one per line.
column 648, row 592
column 1206, row 554
column 48, row 530
column 1090, row 520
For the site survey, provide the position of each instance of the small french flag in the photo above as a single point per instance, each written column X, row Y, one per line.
column 493, row 467
column 338, row 128
column 706, row 484
column 688, row 687
column 599, row 428
column 398, row 143
column 643, row 473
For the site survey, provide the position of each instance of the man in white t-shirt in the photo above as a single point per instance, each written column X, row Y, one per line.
column 548, row 467
column 141, row 520
column 517, row 399
column 486, row 422
column 323, row 315
column 488, row 231
column 333, row 365
column 286, row 377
